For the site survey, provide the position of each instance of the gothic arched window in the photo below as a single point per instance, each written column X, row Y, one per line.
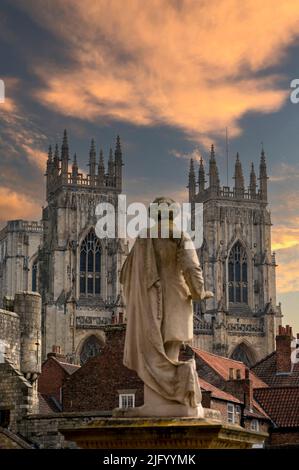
column 34, row 278
column 237, row 274
column 92, row 347
column 243, row 353
column 90, row 265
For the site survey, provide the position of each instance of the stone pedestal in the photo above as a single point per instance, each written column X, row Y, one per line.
column 157, row 406
column 161, row 433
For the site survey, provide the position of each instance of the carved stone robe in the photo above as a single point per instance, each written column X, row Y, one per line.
column 160, row 278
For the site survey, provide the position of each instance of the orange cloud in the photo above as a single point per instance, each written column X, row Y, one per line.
column 188, row 64
column 14, row 205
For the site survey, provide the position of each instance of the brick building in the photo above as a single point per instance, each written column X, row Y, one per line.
column 280, row 371
column 237, row 384
column 103, row 383
column 55, row 371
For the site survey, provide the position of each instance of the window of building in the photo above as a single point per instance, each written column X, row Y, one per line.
column 237, row 274
column 255, row 425
column 230, row 413
column 92, row 347
column 127, row 400
column 4, row 418
column 90, row 265
column 34, row 278
column 243, row 353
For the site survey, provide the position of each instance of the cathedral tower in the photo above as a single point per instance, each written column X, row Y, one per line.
column 241, row 321
column 78, row 272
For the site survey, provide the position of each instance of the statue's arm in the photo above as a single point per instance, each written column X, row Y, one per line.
column 192, row 271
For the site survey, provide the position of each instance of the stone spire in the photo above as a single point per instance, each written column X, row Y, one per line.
column 92, row 162
column 239, row 178
column 191, row 183
column 252, row 184
column 56, row 160
column 111, row 164
column 49, row 169
column 101, row 170
column 75, row 170
column 201, row 176
column 214, row 174
column 118, row 164
column 64, row 155
column 49, row 161
column 263, row 177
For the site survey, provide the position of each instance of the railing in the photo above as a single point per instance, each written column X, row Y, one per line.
column 202, row 327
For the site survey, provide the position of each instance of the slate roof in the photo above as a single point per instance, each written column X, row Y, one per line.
column 281, row 404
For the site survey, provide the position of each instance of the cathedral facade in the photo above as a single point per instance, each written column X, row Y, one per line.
column 77, row 274
column 242, row 319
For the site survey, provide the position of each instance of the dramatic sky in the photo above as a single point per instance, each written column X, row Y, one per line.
column 167, row 75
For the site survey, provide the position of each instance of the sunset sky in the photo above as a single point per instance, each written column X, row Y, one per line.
column 167, row 75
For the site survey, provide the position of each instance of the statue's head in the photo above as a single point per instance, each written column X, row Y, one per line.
column 164, row 208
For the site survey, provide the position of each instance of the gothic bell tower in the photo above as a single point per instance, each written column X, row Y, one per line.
column 238, row 264
column 79, row 273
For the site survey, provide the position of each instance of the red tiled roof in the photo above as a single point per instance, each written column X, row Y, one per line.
column 222, row 365
column 221, row 395
column 281, row 404
column 266, row 370
column 216, row 392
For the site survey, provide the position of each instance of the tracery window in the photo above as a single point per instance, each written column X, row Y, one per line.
column 91, row 348
column 90, row 265
column 237, row 274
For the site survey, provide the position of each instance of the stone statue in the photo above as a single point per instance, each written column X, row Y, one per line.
column 160, row 279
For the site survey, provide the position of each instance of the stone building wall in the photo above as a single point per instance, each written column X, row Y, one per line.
column 10, row 337
column 19, row 244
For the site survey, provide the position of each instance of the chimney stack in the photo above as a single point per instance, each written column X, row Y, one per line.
column 283, row 349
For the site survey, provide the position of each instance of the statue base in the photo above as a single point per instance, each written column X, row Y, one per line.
column 161, row 433
column 157, row 406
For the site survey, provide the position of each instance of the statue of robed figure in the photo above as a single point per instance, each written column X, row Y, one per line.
column 160, row 279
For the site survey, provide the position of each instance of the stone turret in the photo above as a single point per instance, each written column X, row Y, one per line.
column 118, row 164
column 92, row 162
column 239, row 178
column 75, row 171
column 213, row 174
column 252, row 185
column 64, row 156
column 28, row 306
column 101, row 170
column 201, row 176
column 263, row 177
column 192, row 183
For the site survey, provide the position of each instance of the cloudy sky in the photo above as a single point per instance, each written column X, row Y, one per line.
column 167, row 75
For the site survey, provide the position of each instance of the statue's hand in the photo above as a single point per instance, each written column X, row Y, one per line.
column 208, row 294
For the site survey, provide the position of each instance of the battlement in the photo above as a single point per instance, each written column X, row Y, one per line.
column 199, row 192
column 59, row 175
